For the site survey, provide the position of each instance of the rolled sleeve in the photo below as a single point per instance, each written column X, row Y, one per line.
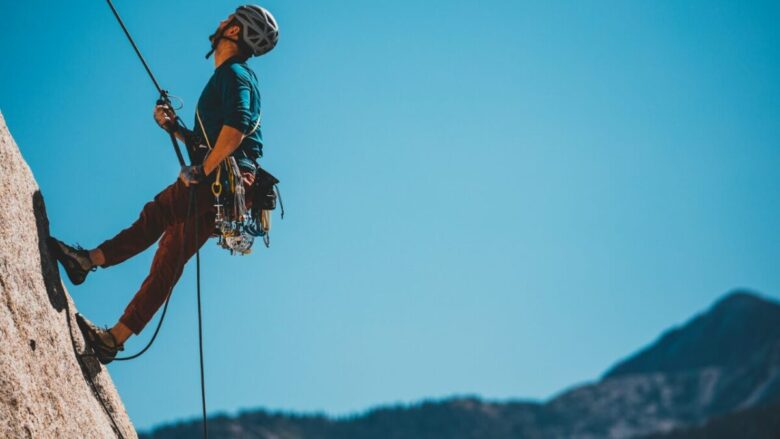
column 237, row 98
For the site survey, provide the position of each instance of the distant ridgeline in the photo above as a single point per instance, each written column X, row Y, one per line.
column 717, row 376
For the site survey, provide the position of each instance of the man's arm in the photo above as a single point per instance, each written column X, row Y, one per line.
column 236, row 98
column 228, row 140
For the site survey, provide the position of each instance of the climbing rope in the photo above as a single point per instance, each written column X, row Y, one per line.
column 200, row 321
column 164, row 99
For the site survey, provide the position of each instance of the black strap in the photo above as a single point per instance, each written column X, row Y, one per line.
column 279, row 196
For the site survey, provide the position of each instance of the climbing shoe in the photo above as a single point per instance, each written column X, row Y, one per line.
column 75, row 260
column 100, row 340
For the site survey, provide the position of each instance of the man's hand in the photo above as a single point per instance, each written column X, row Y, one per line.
column 191, row 174
column 248, row 178
column 164, row 116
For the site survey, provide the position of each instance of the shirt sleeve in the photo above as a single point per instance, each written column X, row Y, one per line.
column 236, row 100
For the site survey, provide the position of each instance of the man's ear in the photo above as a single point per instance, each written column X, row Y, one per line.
column 233, row 31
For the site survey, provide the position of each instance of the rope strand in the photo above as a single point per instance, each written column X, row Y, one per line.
column 200, row 326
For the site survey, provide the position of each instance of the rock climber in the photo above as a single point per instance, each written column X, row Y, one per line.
column 228, row 114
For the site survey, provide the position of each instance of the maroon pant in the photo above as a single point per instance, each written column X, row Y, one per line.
column 164, row 216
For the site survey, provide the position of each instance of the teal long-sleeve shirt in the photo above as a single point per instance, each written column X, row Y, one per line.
column 232, row 98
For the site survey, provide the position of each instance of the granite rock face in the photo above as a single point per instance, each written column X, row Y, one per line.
column 47, row 389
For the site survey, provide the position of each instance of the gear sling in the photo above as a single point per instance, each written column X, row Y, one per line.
column 235, row 225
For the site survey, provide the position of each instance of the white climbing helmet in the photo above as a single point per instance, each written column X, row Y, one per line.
column 259, row 31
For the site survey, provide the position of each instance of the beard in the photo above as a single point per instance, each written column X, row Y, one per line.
column 218, row 35
column 213, row 37
column 214, row 40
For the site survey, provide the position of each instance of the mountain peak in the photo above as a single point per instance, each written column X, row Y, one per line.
column 737, row 326
column 740, row 301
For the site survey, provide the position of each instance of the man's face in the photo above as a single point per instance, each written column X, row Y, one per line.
column 220, row 28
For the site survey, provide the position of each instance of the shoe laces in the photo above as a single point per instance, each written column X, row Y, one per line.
column 78, row 247
column 117, row 346
column 103, row 340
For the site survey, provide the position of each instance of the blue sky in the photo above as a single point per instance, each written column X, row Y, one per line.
column 497, row 198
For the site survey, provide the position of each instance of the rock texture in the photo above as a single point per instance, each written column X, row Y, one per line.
column 47, row 390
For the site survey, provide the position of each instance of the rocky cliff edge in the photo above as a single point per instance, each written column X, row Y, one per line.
column 47, row 389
